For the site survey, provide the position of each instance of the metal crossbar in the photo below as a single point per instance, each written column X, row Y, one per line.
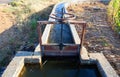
column 61, row 21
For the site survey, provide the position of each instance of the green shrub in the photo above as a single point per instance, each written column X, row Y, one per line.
column 14, row 3
column 33, row 23
column 114, row 14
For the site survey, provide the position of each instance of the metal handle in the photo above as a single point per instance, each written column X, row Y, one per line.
column 70, row 16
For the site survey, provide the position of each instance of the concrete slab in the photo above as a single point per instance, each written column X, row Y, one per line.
column 37, row 49
column 103, row 65
column 16, row 65
column 74, row 34
column 84, row 53
column 22, row 57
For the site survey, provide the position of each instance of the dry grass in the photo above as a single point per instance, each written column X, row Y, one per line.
column 99, row 36
column 80, row 7
column 18, row 25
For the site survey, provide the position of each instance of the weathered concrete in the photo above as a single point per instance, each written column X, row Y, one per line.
column 53, row 33
column 16, row 65
column 22, row 57
column 48, row 27
column 103, row 65
column 84, row 54
column 74, row 34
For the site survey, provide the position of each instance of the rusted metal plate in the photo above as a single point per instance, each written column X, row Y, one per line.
column 81, row 23
column 60, row 53
column 72, row 48
column 50, row 47
column 56, row 47
column 62, row 49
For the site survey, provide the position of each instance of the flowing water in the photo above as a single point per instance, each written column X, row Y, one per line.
column 60, row 68
column 55, row 34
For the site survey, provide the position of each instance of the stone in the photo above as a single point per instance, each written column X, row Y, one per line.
column 112, row 56
column 96, row 8
column 118, row 66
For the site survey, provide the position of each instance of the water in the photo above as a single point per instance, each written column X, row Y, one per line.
column 60, row 69
column 55, row 34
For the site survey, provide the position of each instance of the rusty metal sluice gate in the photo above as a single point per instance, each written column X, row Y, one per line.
column 61, row 48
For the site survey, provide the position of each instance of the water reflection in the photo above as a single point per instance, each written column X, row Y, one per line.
column 60, row 69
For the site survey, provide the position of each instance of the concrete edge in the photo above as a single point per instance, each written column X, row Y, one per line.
column 103, row 65
column 38, row 48
column 48, row 27
column 16, row 65
column 84, row 54
column 74, row 34
column 72, row 28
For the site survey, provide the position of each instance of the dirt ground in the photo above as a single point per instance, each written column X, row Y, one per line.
column 6, row 21
column 18, row 26
column 99, row 35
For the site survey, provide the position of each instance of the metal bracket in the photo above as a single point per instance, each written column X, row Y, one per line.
column 62, row 21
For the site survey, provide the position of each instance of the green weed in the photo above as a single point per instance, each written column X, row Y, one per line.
column 15, row 3
column 114, row 14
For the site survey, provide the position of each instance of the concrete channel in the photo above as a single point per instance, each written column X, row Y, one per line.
column 23, row 57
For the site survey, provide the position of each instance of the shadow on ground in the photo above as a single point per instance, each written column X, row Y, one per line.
column 21, row 36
